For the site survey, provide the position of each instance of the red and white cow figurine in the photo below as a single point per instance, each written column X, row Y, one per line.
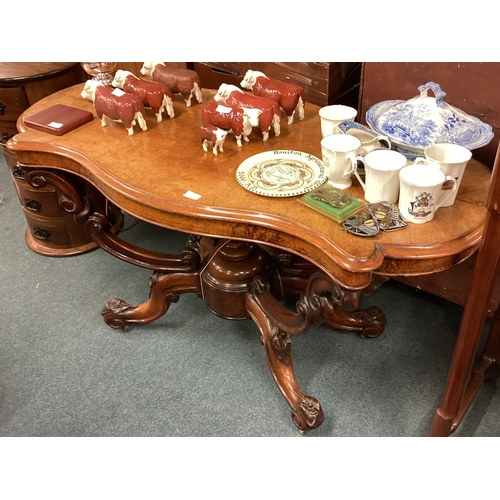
column 180, row 81
column 290, row 97
column 228, row 118
column 155, row 95
column 270, row 112
column 115, row 105
column 210, row 134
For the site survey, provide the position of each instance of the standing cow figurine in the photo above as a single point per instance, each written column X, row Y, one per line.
column 289, row 96
column 228, row 118
column 115, row 105
column 213, row 136
column 269, row 112
column 180, row 81
column 155, row 95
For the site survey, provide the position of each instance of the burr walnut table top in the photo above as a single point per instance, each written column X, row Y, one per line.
column 149, row 173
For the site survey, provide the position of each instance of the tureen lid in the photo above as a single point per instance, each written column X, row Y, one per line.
column 425, row 120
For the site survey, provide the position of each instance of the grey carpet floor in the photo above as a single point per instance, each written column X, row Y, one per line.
column 63, row 372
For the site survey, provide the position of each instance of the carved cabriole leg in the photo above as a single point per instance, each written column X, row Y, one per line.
column 276, row 325
column 177, row 275
column 318, row 304
column 369, row 322
column 164, row 290
column 292, row 277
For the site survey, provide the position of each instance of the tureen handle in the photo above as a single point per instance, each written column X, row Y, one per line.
column 440, row 95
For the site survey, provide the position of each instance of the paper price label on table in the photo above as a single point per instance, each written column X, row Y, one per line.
column 192, row 196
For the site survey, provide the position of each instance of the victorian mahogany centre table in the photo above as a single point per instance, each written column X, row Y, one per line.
column 244, row 251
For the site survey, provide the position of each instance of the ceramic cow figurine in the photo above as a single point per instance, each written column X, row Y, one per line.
column 289, row 96
column 155, row 95
column 213, row 136
column 228, row 118
column 270, row 112
column 115, row 105
column 180, row 81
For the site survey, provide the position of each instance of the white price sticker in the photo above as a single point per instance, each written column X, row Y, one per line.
column 192, row 196
column 223, row 109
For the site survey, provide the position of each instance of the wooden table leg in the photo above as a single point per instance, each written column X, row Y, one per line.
column 233, row 277
column 165, row 289
column 485, row 369
column 173, row 275
column 319, row 304
column 460, row 387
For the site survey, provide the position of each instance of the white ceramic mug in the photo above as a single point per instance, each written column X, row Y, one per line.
column 332, row 116
column 451, row 159
column 423, row 189
column 340, row 155
column 382, row 168
column 369, row 142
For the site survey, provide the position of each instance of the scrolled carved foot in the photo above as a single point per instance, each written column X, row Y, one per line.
column 370, row 322
column 112, row 311
column 375, row 319
column 308, row 414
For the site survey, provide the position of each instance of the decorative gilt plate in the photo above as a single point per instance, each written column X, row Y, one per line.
column 281, row 173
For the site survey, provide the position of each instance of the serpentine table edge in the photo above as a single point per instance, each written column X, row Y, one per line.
column 238, row 239
column 351, row 264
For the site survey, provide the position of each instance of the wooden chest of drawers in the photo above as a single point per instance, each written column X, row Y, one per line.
column 51, row 231
column 324, row 82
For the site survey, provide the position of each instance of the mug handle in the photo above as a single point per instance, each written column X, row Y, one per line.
column 449, row 186
column 385, row 141
column 419, row 160
column 354, row 166
column 361, row 160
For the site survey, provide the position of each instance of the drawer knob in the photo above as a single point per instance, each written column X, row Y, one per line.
column 18, row 172
column 41, row 234
column 32, row 205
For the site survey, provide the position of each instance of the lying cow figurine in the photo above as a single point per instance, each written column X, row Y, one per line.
column 115, row 105
column 155, row 95
column 212, row 135
column 228, row 118
column 269, row 109
column 289, row 96
column 180, row 81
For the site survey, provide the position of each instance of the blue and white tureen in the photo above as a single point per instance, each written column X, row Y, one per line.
column 419, row 122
